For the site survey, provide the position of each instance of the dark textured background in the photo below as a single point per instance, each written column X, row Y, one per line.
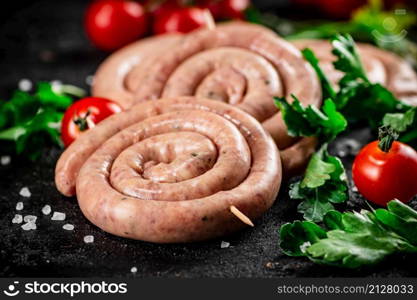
column 45, row 41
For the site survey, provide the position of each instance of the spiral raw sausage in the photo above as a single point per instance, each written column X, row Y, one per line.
column 169, row 170
column 239, row 63
column 382, row 66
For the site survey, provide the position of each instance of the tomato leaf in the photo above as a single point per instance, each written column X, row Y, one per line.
column 353, row 239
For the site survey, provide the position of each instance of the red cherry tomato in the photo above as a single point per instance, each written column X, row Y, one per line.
column 339, row 9
column 382, row 176
column 162, row 8
column 233, row 9
column 227, row 9
column 85, row 114
column 111, row 24
column 213, row 6
column 181, row 20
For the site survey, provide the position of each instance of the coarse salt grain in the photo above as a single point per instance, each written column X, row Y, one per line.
column 29, row 226
column 68, row 227
column 5, row 160
column 224, row 244
column 58, row 216
column 46, row 210
column 134, row 270
column 30, row 219
column 88, row 239
column 19, row 205
column 25, row 85
column 347, row 146
column 24, row 192
column 17, row 219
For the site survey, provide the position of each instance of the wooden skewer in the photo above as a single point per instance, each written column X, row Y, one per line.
column 210, row 23
column 241, row 216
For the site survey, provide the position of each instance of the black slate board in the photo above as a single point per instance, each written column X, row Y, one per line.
column 45, row 41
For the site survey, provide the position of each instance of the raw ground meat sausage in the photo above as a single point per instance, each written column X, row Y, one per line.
column 168, row 171
column 382, row 66
column 239, row 63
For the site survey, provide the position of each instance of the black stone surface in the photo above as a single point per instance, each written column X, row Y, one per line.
column 45, row 41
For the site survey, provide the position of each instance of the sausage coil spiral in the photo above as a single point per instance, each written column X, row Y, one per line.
column 169, row 170
column 238, row 63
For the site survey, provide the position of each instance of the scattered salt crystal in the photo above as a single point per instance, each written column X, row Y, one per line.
column 5, row 160
column 29, row 226
column 347, row 146
column 89, row 79
column 68, row 227
column 30, row 219
column 134, row 270
column 17, row 219
column 58, row 216
column 224, row 244
column 19, row 205
column 46, row 210
column 88, row 239
column 25, row 85
column 56, row 82
column 56, row 86
column 354, row 188
column 24, row 192
column 342, row 153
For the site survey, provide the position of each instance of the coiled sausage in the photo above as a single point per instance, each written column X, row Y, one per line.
column 168, row 170
column 238, row 63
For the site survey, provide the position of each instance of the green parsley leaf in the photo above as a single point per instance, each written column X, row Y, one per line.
column 295, row 236
column 324, row 183
column 326, row 86
column 403, row 123
column 348, row 61
column 352, row 239
column 325, row 124
column 400, row 121
column 28, row 122
column 314, row 209
column 318, row 170
column 357, row 98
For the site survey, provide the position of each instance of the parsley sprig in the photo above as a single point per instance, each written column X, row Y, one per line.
column 353, row 239
column 357, row 98
column 29, row 121
column 324, row 182
column 349, row 239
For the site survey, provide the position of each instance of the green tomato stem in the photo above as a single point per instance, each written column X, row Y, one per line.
column 386, row 136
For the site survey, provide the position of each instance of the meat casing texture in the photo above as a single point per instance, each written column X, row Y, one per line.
column 238, row 63
column 381, row 66
column 168, row 171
